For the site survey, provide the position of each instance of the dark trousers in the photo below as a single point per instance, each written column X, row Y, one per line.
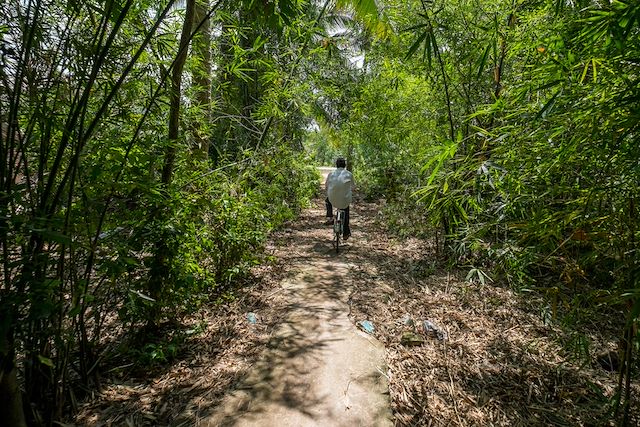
column 345, row 227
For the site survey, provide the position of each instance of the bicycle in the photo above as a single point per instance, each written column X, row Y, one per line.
column 338, row 228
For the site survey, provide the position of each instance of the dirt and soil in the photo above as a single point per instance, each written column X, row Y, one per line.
column 494, row 358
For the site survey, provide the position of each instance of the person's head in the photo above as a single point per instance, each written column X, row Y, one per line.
column 341, row 162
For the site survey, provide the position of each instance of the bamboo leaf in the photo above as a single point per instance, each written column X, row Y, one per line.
column 584, row 72
column 361, row 7
column 433, row 42
column 46, row 361
column 142, row 296
column 550, row 84
column 548, row 107
column 559, row 6
column 483, row 60
column 416, row 45
column 427, row 50
column 414, row 27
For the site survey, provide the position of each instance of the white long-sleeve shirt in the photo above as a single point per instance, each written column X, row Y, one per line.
column 338, row 187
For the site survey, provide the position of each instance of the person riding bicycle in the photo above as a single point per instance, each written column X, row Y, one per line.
column 338, row 187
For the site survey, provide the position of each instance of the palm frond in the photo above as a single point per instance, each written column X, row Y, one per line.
column 362, row 8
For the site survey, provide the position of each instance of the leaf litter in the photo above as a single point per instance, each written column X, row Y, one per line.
column 487, row 356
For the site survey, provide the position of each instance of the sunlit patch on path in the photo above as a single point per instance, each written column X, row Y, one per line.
column 318, row 369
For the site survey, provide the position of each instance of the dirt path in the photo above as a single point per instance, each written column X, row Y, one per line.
column 318, row 368
column 302, row 362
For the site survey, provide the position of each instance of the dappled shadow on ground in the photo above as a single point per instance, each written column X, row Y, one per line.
column 280, row 375
column 314, row 299
column 221, row 344
column 187, row 391
column 228, row 356
column 500, row 364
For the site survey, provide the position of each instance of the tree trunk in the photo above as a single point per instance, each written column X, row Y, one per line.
column 176, row 84
column 245, row 94
column 10, row 394
column 160, row 268
column 202, row 80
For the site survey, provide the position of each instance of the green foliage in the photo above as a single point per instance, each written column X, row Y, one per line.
column 88, row 216
column 152, row 354
column 218, row 225
column 510, row 129
column 318, row 145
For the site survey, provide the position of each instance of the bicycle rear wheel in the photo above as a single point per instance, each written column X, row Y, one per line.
column 337, row 230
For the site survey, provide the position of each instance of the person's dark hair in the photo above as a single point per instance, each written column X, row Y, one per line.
column 341, row 163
